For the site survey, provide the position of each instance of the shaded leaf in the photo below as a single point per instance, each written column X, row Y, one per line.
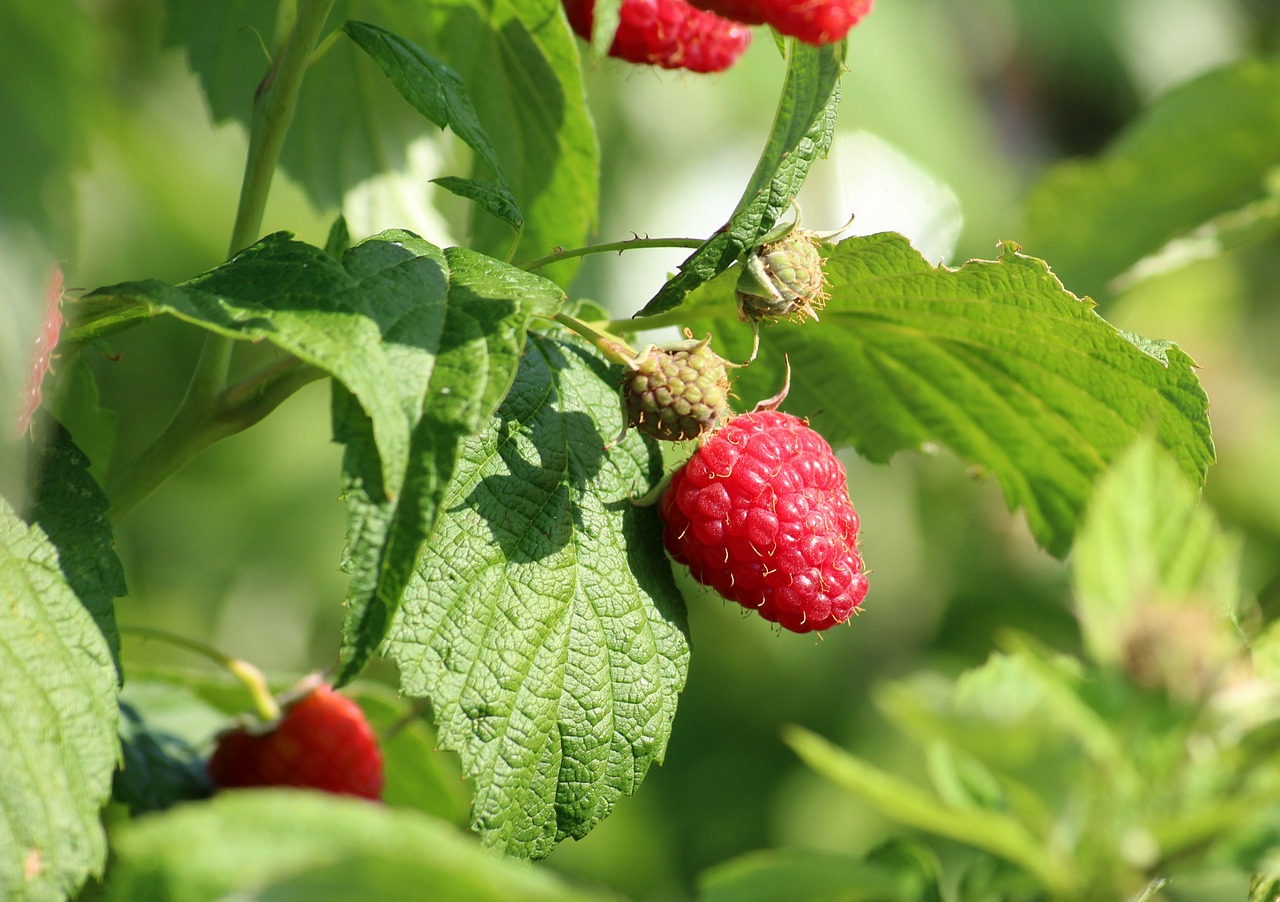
column 453, row 325
column 994, row 360
column 58, row 719
column 543, row 622
column 69, row 505
column 299, row 845
column 163, row 740
column 802, row 132
column 1205, row 148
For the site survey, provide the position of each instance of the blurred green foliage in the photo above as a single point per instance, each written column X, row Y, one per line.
column 115, row 170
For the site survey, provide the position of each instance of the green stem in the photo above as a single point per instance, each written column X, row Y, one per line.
column 611, row 346
column 204, row 416
column 197, row 426
column 252, row 678
column 619, row 246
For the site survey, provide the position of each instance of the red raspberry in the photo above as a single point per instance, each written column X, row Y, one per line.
column 667, row 33
column 761, row 513
column 322, row 742
column 812, row 21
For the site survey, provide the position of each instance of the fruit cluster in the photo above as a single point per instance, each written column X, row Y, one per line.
column 710, row 35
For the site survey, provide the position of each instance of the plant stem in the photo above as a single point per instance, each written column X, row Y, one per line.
column 252, row 678
column 199, row 425
column 204, row 415
column 619, row 246
column 611, row 346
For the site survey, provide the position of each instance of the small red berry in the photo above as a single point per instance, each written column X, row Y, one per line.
column 812, row 21
column 761, row 513
column 667, row 33
column 322, row 742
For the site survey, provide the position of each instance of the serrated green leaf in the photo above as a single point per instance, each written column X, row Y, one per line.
column 350, row 126
column 802, row 133
column 1205, row 148
column 58, row 719
column 1148, row 543
column 69, row 505
column 437, row 92
column 77, row 405
column 908, row 804
column 493, row 199
column 994, row 360
column 298, row 845
column 454, row 336
column 808, row 876
column 543, row 622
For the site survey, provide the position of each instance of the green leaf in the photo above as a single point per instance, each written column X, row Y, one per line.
column 494, row 199
column 543, row 622
column 58, row 718
column 167, row 730
column 68, row 504
column 1148, row 543
column 906, row 803
column 1205, row 148
column 46, row 118
column 453, row 327
column 517, row 57
column 438, row 93
column 801, row 875
column 297, row 845
column 802, row 132
column 994, row 360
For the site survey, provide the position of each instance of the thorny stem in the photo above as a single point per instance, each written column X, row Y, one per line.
column 619, row 246
column 252, row 678
column 205, row 414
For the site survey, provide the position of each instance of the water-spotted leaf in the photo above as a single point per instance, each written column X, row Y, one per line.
column 543, row 622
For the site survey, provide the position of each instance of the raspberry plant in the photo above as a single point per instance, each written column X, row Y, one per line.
column 502, row 576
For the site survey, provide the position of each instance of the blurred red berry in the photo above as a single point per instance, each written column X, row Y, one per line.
column 323, row 742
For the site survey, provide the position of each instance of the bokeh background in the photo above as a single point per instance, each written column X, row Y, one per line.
column 952, row 110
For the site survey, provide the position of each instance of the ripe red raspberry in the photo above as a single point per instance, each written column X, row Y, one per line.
column 667, row 33
column 322, row 742
column 812, row 21
column 761, row 513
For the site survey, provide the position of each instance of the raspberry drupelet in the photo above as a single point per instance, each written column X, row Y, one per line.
column 761, row 513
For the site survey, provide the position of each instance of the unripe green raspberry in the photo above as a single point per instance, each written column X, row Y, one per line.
column 782, row 278
column 676, row 392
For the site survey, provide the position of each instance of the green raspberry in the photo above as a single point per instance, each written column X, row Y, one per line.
column 782, row 278
column 676, row 392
